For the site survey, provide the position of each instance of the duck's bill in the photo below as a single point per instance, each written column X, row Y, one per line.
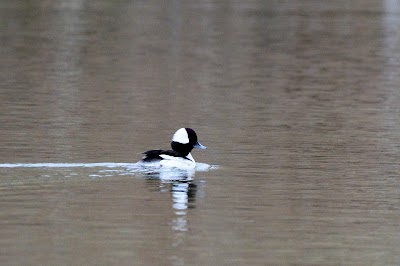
column 199, row 146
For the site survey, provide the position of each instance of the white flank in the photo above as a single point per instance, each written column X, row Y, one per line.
column 176, row 162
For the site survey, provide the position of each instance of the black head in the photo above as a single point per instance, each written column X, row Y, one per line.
column 184, row 140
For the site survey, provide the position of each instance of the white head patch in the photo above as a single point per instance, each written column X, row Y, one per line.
column 181, row 136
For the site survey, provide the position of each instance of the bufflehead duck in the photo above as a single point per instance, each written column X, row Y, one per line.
column 183, row 141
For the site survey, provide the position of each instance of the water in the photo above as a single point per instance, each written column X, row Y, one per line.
column 297, row 102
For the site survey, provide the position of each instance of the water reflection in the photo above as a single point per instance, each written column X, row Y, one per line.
column 183, row 190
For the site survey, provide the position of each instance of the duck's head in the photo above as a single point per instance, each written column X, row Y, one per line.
column 184, row 140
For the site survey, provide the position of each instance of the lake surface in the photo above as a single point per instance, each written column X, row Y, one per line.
column 298, row 103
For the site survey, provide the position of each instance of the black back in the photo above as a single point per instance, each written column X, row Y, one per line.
column 154, row 155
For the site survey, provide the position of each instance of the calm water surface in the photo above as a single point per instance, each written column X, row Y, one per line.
column 298, row 103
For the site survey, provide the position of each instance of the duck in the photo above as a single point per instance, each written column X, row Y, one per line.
column 183, row 142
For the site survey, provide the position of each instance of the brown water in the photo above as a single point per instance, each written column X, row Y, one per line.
column 297, row 101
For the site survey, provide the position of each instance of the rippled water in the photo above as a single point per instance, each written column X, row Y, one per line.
column 297, row 102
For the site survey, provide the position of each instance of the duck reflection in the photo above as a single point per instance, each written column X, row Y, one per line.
column 183, row 190
column 183, row 198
